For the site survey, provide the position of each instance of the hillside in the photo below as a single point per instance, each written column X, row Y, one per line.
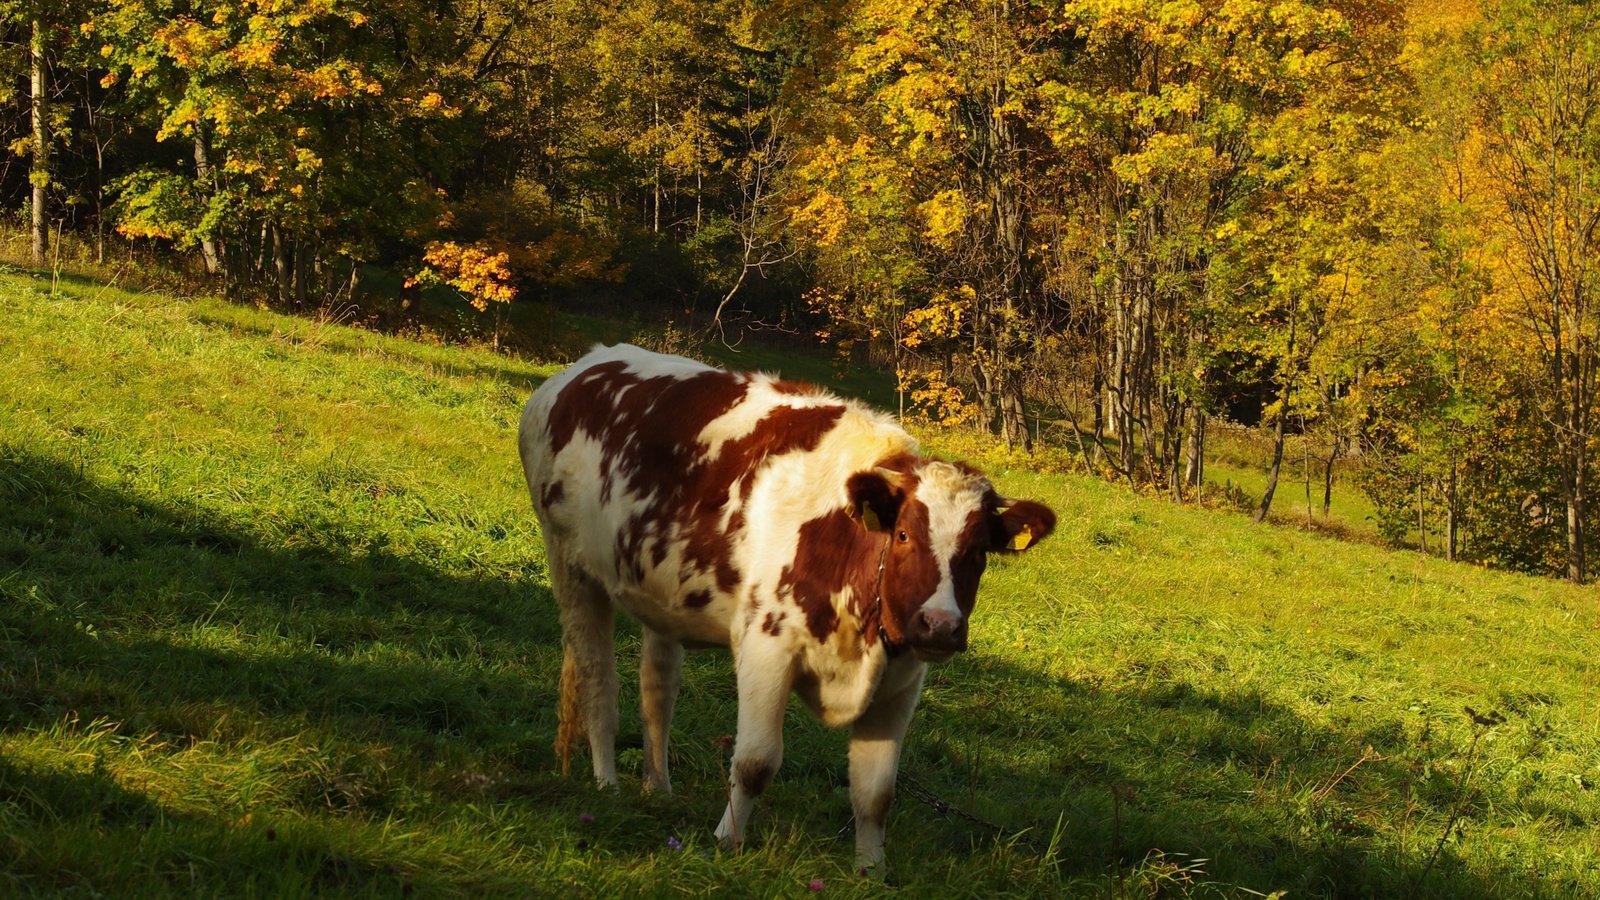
column 274, row 620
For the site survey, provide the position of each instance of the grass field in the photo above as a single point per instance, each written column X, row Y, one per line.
column 274, row 621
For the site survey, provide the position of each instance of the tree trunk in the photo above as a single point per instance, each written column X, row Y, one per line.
column 280, row 266
column 1277, row 457
column 1422, row 520
column 302, row 271
column 1305, row 467
column 203, row 176
column 92, row 117
column 1451, row 514
column 39, row 176
column 1195, row 463
column 1576, row 563
column 1327, row 476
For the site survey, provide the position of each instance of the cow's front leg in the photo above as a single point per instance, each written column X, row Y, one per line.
column 764, row 676
column 875, row 741
column 660, row 674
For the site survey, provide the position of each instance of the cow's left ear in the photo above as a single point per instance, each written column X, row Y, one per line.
column 875, row 498
column 1017, row 525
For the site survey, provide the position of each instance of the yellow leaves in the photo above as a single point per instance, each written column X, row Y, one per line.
column 482, row 276
column 944, row 316
column 944, row 217
column 935, row 400
column 1163, row 156
column 254, row 52
column 824, row 216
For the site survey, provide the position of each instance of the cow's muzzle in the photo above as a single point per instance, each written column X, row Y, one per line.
column 935, row 634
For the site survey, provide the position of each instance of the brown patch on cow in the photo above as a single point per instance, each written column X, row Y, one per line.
column 910, row 573
column 551, row 494
column 753, row 775
column 649, row 430
column 832, row 552
column 773, row 623
column 697, row 599
column 809, row 689
column 972, row 556
column 785, row 429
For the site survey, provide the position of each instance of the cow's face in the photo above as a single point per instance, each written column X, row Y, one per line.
column 940, row 522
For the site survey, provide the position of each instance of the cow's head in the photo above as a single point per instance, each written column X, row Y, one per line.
column 940, row 521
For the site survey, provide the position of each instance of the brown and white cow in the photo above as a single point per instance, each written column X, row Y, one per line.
column 801, row 530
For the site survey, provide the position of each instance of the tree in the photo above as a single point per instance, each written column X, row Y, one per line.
column 314, row 128
column 1540, row 114
column 922, row 200
column 39, row 175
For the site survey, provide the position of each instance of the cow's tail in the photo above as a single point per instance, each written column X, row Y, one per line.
column 569, row 718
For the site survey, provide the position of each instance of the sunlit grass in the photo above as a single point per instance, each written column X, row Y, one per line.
column 274, row 622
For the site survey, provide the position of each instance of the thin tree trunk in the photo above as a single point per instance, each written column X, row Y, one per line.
column 203, row 175
column 1195, row 465
column 302, row 271
column 93, row 119
column 1327, row 476
column 1576, row 563
column 1422, row 520
column 1277, row 457
column 1305, row 468
column 39, row 175
column 1451, row 516
column 280, row 266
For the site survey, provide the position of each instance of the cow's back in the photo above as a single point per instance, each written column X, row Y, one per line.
column 678, row 487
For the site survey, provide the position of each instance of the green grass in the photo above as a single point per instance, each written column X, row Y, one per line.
column 274, row 621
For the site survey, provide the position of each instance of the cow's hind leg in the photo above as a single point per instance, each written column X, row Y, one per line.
column 875, row 741
column 660, row 674
column 764, row 679
column 588, row 672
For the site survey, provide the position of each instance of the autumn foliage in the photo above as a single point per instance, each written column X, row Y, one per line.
column 1367, row 227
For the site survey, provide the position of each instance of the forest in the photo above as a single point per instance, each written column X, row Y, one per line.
column 1102, row 226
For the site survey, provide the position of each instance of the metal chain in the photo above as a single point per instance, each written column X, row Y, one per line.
column 914, row 789
column 906, row 786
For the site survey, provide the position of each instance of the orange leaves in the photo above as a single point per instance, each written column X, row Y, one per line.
column 481, row 275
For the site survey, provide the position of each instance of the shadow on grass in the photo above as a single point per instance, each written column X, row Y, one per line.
column 176, row 847
column 1267, row 799
column 165, row 623
column 116, row 607
column 371, row 677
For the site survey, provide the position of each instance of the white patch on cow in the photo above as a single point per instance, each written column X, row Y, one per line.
column 951, row 496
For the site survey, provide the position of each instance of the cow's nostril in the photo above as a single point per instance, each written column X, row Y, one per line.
column 934, row 624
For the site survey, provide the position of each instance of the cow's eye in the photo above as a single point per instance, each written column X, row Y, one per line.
column 901, row 537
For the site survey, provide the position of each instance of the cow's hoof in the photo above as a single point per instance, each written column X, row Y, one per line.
column 875, row 871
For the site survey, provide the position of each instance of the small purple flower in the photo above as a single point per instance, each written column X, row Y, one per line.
column 585, row 818
column 816, row 884
column 674, row 844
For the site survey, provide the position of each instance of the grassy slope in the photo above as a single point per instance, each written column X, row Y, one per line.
column 273, row 620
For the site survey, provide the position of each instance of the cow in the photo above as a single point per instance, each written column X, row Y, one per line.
column 803, row 531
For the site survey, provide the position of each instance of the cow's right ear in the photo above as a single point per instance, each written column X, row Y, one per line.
column 875, row 498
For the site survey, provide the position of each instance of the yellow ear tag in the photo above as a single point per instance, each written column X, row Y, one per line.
column 1023, row 539
column 869, row 518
